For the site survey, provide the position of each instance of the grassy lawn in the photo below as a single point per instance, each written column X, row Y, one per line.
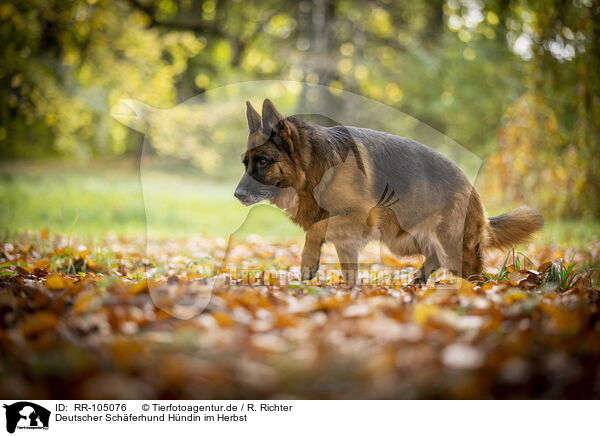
column 106, row 197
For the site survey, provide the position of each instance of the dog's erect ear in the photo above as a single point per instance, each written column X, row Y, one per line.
column 254, row 121
column 271, row 118
column 270, row 115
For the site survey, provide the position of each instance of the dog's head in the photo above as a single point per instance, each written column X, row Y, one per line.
column 269, row 157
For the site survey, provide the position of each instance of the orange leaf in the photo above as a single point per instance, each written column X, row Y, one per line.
column 224, row 319
column 42, row 264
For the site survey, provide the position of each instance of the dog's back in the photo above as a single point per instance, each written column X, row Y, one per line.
column 417, row 174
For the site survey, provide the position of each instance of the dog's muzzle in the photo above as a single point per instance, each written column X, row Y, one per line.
column 250, row 191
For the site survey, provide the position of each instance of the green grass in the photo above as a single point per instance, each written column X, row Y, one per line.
column 519, row 261
column 563, row 275
column 106, row 196
column 569, row 233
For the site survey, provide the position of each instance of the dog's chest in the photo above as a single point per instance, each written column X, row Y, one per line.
column 288, row 201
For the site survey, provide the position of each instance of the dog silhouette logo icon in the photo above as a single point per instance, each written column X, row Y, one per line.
column 26, row 415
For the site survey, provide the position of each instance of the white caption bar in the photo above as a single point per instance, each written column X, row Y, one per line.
column 295, row 417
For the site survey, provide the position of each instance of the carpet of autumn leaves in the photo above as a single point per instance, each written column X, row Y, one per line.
column 128, row 318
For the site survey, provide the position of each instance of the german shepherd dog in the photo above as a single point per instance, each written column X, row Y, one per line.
column 350, row 185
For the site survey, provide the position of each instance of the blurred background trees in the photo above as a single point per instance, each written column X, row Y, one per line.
column 515, row 81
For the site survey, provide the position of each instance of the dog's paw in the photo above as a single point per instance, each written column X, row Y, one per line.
column 308, row 273
column 419, row 278
column 310, row 264
column 418, row 281
column 350, row 277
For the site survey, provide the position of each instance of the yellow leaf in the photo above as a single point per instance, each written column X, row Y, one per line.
column 514, row 295
column 466, row 288
column 56, row 282
column 139, row 287
column 422, row 313
column 92, row 265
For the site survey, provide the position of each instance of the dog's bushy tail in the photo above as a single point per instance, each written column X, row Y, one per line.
column 508, row 229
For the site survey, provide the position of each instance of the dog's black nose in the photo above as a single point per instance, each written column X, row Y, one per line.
column 240, row 194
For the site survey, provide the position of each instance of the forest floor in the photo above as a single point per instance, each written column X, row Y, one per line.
column 105, row 295
column 130, row 318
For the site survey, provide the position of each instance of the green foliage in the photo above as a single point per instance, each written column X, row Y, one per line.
column 515, row 78
column 165, row 52
column 549, row 146
column 66, row 63
column 501, row 274
column 562, row 275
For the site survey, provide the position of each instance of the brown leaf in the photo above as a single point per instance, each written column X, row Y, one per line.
column 516, row 277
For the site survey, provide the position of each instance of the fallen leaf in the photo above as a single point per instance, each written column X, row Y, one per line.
column 56, row 282
column 41, row 264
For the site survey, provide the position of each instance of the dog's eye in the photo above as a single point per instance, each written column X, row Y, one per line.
column 262, row 162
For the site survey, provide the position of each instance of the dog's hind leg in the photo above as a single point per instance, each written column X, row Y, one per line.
column 472, row 263
column 424, row 271
column 461, row 255
column 435, row 256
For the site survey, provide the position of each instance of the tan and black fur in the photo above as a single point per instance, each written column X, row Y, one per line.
column 350, row 185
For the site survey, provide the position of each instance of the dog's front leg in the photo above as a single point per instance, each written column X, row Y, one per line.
column 311, row 254
column 344, row 232
column 348, row 257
